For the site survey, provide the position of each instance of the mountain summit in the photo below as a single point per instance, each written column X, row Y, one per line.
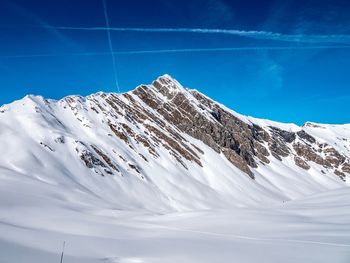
column 163, row 147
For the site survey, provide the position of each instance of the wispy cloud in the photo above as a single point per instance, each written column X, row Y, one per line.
column 19, row 9
column 270, row 74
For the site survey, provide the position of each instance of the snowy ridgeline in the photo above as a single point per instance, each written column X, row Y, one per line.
column 114, row 178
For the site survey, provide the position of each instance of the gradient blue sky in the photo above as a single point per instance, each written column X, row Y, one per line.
column 290, row 84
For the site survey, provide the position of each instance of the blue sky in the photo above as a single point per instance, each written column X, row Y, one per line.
column 287, row 60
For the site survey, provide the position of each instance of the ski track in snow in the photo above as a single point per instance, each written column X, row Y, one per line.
column 254, row 238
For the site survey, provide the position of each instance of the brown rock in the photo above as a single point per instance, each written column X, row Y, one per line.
column 301, row 163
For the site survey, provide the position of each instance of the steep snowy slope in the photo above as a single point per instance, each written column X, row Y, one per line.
column 162, row 147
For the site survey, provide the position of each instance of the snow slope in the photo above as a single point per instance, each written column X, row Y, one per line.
column 33, row 226
column 82, row 170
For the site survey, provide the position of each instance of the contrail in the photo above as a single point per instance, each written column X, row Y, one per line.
column 111, row 45
column 265, row 35
column 184, row 50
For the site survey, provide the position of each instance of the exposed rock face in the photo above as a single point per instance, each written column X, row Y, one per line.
column 307, row 153
column 207, row 121
column 346, row 168
column 307, row 137
column 161, row 114
column 301, row 163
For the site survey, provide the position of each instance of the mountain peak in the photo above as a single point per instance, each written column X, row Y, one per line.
column 167, row 78
column 167, row 110
column 168, row 86
column 173, row 147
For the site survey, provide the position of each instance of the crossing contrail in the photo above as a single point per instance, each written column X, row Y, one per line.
column 115, row 70
column 184, row 50
column 264, row 35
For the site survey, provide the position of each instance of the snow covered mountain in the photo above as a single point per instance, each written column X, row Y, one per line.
column 158, row 149
column 163, row 147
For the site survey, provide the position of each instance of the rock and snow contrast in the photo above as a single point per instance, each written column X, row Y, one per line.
column 165, row 174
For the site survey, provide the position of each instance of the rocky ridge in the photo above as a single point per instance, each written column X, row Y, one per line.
column 160, row 113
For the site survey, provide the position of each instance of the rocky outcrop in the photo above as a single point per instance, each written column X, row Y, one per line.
column 244, row 144
column 161, row 115
column 204, row 120
column 305, row 136
column 301, row 163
